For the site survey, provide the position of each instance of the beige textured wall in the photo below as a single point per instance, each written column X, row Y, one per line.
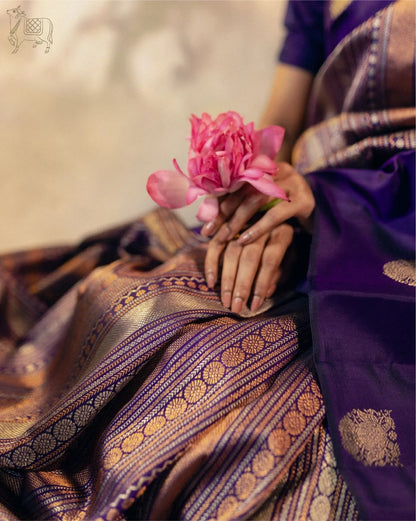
column 81, row 127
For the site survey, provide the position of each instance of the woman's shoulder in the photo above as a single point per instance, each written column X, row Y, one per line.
column 315, row 27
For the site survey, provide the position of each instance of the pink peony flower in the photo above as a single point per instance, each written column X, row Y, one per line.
column 223, row 154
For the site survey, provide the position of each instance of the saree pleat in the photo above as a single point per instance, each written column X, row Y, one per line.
column 136, row 395
column 128, row 392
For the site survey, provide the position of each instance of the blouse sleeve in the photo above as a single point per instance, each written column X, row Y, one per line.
column 304, row 45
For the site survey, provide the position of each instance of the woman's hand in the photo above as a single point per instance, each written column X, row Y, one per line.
column 248, row 271
column 238, row 208
column 252, row 262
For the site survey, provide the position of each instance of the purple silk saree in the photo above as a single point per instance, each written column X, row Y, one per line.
column 128, row 392
column 361, row 163
column 135, row 395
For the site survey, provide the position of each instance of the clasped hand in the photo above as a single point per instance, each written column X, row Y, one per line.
column 252, row 259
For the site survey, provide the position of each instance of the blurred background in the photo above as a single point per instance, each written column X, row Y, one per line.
column 83, row 125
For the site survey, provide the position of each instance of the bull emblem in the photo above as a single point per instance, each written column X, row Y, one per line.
column 36, row 30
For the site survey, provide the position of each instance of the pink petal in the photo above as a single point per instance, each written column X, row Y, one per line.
column 250, row 173
column 193, row 193
column 168, row 188
column 271, row 139
column 208, row 210
column 264, row 163
column 224, row 171
column 268, row 187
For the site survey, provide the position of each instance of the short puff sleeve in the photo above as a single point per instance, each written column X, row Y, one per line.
column 304, row 45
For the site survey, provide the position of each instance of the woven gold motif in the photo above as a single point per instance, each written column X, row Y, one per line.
column 370, row 437
column 400, row 270
column 245, row 485
column 263, row 463
column 279, row 442
column 320, row 508
column 213, row 372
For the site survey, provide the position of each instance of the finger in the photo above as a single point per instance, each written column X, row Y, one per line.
column 245, row 275
column 270, row 271
column 227, row 206
column 229, row 270
column 301, row 205
column 247, row 209
column 268, row 222
column 212, row 261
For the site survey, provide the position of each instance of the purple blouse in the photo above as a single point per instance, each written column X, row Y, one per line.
column 314, row 29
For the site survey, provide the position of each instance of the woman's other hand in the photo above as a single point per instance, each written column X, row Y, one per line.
column 252, row 262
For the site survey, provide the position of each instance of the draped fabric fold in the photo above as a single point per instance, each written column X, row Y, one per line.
column 135, row 395
column 127, row 391
column 361, row 165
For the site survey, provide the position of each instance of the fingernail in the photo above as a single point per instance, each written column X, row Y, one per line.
column 224, row 234
column 256, row 303
column 210, row 280
column 226, row 298
column 245, row 237
column 208, row 228
column 237, row 305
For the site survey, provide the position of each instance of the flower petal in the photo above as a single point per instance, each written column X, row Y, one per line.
column 250, row 173
column 268, row 187
column 208, row 210
column 271, row 139
column 193, row 193
column 224, row 171
column 168, row 188
column 264, row 163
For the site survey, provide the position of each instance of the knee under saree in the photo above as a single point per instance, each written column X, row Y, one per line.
column 128, row 392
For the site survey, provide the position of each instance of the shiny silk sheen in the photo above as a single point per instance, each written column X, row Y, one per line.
column 135, row 395
column 127, row 391
column 359, row 157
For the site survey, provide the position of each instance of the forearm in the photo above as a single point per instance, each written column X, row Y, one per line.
column 287, row 105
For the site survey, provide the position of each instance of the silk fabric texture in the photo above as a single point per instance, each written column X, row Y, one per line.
column 129, row 392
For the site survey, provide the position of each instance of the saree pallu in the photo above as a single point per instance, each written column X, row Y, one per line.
column 129, row 392
column 359, row 157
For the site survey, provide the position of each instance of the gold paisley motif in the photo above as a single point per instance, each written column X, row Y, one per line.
column 370, row 437
column 112, row 514
column 127, row 503
column 401, row 270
